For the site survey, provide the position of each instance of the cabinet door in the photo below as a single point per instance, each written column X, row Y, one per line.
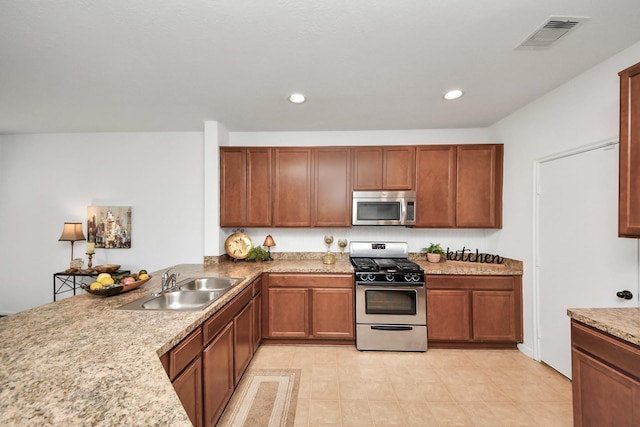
column 436, row 186
column 383, row 168
column 629, row 171
column 367, row 168
column 188, row 386
column 333, row 315
column 479, row 186
column 494, row 316
column 288, row 313
column 332, row 189
column 448, row 315
column 233, row 187
column 258, row 187
column 217, row 365
column 602, row 396
column 242, row 341
column 292, row 187
column 398, row 168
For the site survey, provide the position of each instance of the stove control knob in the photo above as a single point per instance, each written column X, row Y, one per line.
column 407, row 277
column 389, row 277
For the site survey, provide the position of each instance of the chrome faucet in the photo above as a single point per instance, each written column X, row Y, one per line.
column 169, row 280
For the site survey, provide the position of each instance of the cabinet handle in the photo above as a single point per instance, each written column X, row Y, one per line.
column 624, row 294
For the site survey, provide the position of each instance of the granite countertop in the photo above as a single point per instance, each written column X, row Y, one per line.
column 623, row 323
column 79, row 361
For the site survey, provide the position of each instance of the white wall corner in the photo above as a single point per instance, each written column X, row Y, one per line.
column 215, row 135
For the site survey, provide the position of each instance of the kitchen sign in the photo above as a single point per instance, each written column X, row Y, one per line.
column 465, row 254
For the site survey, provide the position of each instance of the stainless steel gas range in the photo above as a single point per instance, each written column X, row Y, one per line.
column 391, row 303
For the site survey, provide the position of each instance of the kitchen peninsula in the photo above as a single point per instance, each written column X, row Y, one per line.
column 81, row 361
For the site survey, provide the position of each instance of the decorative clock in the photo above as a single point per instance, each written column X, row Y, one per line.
column 238, row 245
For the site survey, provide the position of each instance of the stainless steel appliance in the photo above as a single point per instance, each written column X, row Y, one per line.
column 391, row 302
column 384, row 208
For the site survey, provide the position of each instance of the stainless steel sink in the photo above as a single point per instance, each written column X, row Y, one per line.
column 181, row 300
column 208, row 284
column 189, row 295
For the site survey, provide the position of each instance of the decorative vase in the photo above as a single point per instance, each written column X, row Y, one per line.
column 328, row 258
column 433, row 257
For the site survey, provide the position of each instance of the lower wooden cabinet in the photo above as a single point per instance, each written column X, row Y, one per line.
column 242, row 341
column 218, row 374
column 309, row 306
column 605, row 372
column 474, row 311
column 206, row 366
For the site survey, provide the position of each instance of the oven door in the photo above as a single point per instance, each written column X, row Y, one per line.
column 391, row 304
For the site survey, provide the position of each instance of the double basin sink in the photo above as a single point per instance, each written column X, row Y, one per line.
column 187, row 295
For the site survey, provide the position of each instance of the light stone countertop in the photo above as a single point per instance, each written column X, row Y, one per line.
column 623, row 323
column 79, row 361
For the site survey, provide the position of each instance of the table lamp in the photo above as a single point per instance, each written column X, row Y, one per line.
column 269, row 242
column 72, row 232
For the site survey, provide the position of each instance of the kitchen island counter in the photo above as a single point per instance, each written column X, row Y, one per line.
column 623, row 323
column 79, row 361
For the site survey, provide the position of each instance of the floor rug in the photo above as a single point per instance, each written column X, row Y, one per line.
column 264, row 397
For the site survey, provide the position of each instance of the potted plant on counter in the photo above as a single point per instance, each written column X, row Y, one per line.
column 434, row 252
column 258, row 254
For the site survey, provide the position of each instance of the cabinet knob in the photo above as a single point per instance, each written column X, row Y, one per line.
column 624, row 294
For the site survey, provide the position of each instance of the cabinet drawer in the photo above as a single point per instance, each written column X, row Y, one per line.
column 311, row 280
column 182, row 354
column 257, row 287
column 213, row 326
column 470, row 282
column 612, row 350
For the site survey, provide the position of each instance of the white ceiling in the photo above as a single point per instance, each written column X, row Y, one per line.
column 170, row 65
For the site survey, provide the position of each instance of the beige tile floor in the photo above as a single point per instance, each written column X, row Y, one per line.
column 341, row 386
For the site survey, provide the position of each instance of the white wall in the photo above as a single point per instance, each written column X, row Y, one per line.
column 583, row 111
column 47, row 179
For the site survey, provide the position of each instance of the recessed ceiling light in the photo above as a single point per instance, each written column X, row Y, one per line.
column 297, row 98
column 453, row 94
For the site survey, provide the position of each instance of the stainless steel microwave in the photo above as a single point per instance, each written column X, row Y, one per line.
column 384, row 208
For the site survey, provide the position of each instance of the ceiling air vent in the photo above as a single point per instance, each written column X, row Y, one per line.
column 551, row 31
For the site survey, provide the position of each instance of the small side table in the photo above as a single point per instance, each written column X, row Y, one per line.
column 69, row 282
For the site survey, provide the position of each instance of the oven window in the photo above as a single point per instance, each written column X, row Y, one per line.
column 387, row 301
column 377, row 211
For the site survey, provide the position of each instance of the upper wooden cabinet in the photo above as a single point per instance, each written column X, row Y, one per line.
column 312, row 187
column 456, row 185
column 331, row 202
column 245, row 187
column 479, row 186
column 459, row 186
column 436, row 186
column 383, row 168
column 629, row 170
column 292, row 187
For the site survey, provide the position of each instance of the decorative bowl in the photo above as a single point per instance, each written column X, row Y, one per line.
column 105, row 291
column 133, row 285
column 106, row 268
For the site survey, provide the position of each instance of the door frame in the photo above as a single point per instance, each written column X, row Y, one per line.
column 537, row 256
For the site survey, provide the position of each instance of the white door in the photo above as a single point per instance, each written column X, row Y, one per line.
column 582, row 263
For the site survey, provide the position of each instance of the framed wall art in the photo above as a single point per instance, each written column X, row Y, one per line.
column 109, row 227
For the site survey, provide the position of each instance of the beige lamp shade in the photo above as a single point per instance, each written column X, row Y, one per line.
column 268, row 241
column 72, row 232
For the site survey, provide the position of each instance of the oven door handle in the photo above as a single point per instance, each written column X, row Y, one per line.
column 392, row 328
